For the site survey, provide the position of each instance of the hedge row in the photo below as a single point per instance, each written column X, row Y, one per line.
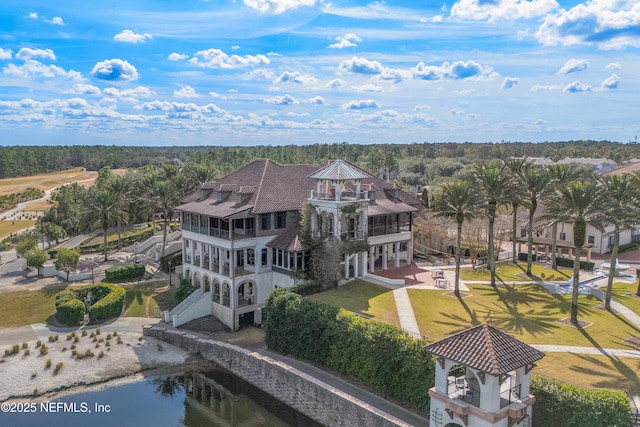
column 107, row 301
column 308, row 288
column 567, row 262
column 523, row 256
column 564, row 405
column 379, row 354
column 124, row 272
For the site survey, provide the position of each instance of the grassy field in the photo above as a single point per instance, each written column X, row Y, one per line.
column 625, row 294
column 363, row 298
column 43, row 181
column 27, row 307
column 509, row 272
column 148, row 299
column 7, row 227
column 38, row 206
column 527, row 312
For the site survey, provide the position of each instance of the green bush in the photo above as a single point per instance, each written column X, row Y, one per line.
column 564, row 405
column 184, row 290
column 70, row 312
column 627, row 247
column 124, row 272
column 522, row 256
column 107, row 301
column 381, row 355
column 566, row 262
column 311, row 287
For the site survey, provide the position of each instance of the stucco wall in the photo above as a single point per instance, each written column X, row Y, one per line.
column 296, row 389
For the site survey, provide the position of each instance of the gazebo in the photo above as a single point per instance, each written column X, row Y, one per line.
column 482, row 379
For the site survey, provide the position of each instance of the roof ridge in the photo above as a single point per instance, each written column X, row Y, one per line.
column 264, row 172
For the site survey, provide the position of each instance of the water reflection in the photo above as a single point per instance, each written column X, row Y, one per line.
column 214, row 398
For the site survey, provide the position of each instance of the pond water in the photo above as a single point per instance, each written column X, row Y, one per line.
column 216, row 398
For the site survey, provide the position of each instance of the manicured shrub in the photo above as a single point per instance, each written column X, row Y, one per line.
column 70, row 312
column 124, row 272
column 110, row 305
column 184, row 290
column 107, row 301
column 566, row 262
column 522, row 256
column 311, row 287
column 564, row 405
column 381, row 355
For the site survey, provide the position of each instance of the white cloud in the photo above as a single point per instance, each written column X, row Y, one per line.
column 56, row 21
column 457, row 112
column 573, row 66
column 509, row 82
column 34, row 68
column 138, row 92
column 345, row 41
column 360, row 104
column 458, row 70
column 114, row 69
column 368, row 88
column 33, row 15
column 613, row 66
column 129, row 36
column 295, row 77
column 610, row 82
column 235, row 47
column 361, row 66
column 216, row 95
column 6, row 54
column 179, row 107
column 83, row 89
column 186, row 92
column 216, row 58
column 174, row 56
column 494, row 10
column 336, row 83
column 540, row 122
column 606, row 23
column 278, row 6
column 545, row 88
column 421, row 107
column 281, row 100
column 318, row 100
column 576, row 87
column 27, row 53
column 259, row 74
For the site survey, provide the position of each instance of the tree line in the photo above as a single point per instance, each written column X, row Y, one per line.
column 551, row 195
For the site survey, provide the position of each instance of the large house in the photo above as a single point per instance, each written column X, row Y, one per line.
column 242, row 236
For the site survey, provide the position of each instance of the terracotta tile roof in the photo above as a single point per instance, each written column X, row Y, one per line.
column 288, row 240
column 487, row 349
column 270, row 187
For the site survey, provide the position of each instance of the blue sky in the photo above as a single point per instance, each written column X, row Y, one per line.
column 260, row 72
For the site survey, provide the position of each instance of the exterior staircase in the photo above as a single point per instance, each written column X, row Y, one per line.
column 196, row 305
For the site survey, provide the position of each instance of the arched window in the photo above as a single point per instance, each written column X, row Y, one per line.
column 216, row 292
column 207, row 284
column 462, row 384
column 226, row 295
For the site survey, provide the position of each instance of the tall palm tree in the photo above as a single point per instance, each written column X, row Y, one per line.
column 493, row 183
column 579, row 203
column 118, row 186
column 102, row 208
column 164, row 196
column 535, row 181
column 458, row 200
column 514, row 165
column 560, row 176
column 622, row 213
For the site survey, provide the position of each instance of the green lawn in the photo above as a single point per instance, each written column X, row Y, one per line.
column 527, row 312
column 364, row 298
column 148, row 299
column 621, row 293
column 27, row 307
column 8, row 227
column 509, row 272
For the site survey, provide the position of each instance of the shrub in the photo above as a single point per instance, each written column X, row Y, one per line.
column 564, row 405
column 522, row 256
column 25, row 345
column 48, row 364
column 124, row 272
column 566, row 262
column 311, row 287
column 57, row 368
column 70, row 312
column 379, row 354
column 107, row 300
column 110, row 305
column 184, row 290
column 43, row 350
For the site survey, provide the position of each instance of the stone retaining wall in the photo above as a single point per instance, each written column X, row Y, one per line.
column 302, row 392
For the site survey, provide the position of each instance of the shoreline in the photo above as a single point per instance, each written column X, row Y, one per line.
column 134, row 358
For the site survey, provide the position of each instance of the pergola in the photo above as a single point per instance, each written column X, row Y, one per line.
column 547, row 242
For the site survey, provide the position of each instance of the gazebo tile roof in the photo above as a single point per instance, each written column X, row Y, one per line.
column 339, row 170
column 487, row 349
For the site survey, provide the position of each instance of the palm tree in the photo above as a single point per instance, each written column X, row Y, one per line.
column 560, row 176
column 622, row 213
column 495, row 188
column 535, row 181
column 118, row 186
column 102, row 207
column 459, row 201
column 581, row 204
column 515, row 165
column 164, row 196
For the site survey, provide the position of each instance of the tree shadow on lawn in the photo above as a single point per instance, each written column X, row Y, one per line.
column 512, row 319
column 609, row 378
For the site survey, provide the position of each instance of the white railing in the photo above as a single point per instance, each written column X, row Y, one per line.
column 196, row 305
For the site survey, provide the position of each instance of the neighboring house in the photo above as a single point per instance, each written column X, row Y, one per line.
column 241, row 236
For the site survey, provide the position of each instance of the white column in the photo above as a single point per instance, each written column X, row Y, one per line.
column 385, row 249
column 396, row 258
column 372, row 263
column 346, row 266
column 212, row 250
column 363, row 267
column 355, row 264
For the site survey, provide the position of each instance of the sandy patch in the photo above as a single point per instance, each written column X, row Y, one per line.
column 21, row 374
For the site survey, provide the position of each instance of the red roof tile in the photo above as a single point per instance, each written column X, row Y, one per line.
column 487, row 349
